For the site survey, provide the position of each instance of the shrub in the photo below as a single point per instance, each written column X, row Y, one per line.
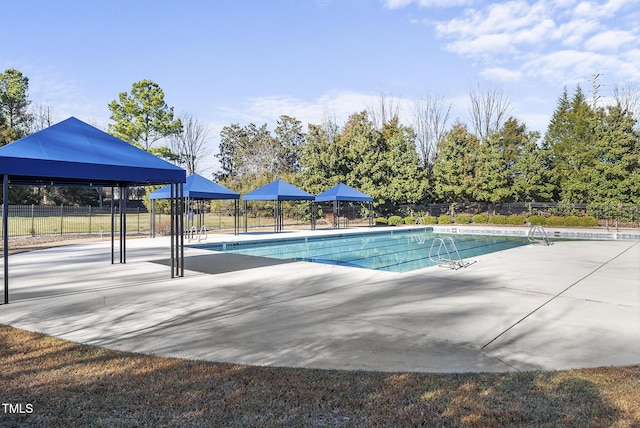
column 515, row 219
column 444, row 219
column 498, row 219
column 395, row 220
column 537, row 220
column 381, row 220
column 572, row 220
column 462, row 219
column 588, row 221
column 555, row 220
column 409, row 220
column 429, row 219
column 480, row 218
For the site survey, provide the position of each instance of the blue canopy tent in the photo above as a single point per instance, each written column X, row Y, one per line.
column 277, row 191
column 74, row 153
column 343, row 193
column 197, row 188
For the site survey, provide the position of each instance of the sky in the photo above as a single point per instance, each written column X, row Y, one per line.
column 250, row 61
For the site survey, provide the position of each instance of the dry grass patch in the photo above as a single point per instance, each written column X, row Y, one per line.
column 69, row 384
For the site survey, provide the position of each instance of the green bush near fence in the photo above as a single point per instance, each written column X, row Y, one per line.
column 515, row 219
column 555, row 220
column 409, row 220
column 537, row 220
column 462, row 219
column 445, row 219
column 381, row 220
column 498, row 219
column 572, row 220
column 429, row 219
column 588, row 221
column 480, row 218
column 395, row 220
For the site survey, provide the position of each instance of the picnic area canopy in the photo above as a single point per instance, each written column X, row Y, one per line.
column 198, row 187
column 277, row 191
column 342, row 192
column 72, row 152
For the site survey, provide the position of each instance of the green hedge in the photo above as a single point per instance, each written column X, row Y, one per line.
column 498, row 219
column 555, row 220
column 395, row 220
column 429, row 219
column 409, row 220
column 572, row 220
column 537, row 220
column 480, row 218
column 462, row 219
column 515, row 219
column 381, row 220
column 444, row 219
column 588, row 221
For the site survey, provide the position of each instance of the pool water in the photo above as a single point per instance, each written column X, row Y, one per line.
column 397, row 251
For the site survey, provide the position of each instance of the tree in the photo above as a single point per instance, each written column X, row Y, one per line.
column 406, row 182
column 190, row 145
column 489, row 109
column 532, row 171
column 615, row 177
column 291, row 138
column 14, row 102
column 493, row 174
column 386, row 109
column 430, row 121
column 143, row 117
column 627, row 96
column 455, row 164
column 572, row 140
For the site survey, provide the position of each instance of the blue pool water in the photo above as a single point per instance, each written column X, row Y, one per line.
column 397, row 251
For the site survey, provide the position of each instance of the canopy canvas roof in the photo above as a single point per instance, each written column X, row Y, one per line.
column 198, row 187
column 278, row 191
column 73, row 152
column 342, row 192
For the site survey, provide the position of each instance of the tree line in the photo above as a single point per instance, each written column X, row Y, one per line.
column 588, row 154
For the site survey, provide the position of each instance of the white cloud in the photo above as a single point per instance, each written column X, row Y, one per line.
column 501, row 74
column 609, row 40
column 398, row 4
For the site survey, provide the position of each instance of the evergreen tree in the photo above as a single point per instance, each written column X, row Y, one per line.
column 615, row 177
column 455, row 164
column 571, row 139
column 14, row 101
column 143, row 117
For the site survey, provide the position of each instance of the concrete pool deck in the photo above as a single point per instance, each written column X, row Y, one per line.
column 573, row 304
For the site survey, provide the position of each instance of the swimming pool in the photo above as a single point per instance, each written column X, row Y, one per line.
column 394, row 251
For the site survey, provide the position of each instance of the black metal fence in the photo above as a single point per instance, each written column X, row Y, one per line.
column 40, row 220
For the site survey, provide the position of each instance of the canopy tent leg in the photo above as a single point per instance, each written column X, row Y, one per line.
column 5, row 234
column 113, row 226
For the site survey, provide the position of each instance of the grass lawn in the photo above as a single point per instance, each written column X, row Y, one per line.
column 68, row 384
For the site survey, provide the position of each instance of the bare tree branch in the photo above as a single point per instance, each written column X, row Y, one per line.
column 489, row 110
column 430, row 120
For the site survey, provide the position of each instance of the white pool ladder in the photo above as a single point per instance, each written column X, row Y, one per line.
column 194, row 234
column 537, row 235
column 445, row 253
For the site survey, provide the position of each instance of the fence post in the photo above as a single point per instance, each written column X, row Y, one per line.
column 33, row 221
column 138, row 220
column 90, row 211
column 61, row 218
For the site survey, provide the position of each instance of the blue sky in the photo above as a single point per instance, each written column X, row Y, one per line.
column 242, row 61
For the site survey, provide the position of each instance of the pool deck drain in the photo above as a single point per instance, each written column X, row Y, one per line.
column 570, row 305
